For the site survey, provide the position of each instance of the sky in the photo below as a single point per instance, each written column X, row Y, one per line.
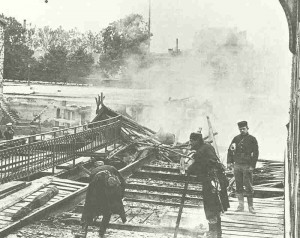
column 170, row 19
column 263, row 20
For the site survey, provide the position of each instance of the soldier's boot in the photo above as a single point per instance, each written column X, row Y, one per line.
column 240, row 207
column 250, row 204
column 102, row 233
column 219, row 227
column 213, row 231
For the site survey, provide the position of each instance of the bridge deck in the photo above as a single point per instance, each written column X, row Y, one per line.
column 67, row 190
column 267, row 222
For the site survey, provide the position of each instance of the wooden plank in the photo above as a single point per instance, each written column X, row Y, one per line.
column 257, row 217
column 5, row 218
column 47, row 207
column 55, row 179
column 8, row 214
column 146, row 156
column 249, row 232
column 19, row 204
column 2, row 222
column 254, row 227
column 225, row 220
column 60, row 191
column 66, row 189
column 66, row 185
column 241, row 234
column 14, row 198
column 14, row 190
column 4, row 188
column 263, row 220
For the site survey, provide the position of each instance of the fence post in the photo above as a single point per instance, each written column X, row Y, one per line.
column 115, row 136
column 74, row 147
column 105, row 137
column 53, row 157
column 28, row 164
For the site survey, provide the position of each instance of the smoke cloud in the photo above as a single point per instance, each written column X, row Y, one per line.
column 228, row 80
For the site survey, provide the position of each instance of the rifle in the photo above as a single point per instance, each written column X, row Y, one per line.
column 217, row 185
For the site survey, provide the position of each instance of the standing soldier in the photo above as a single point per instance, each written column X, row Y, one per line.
column 9, row 132
column 1, row 135
column 207, row 166
column 243, row 153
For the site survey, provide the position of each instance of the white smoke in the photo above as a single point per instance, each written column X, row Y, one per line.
column 229, row 83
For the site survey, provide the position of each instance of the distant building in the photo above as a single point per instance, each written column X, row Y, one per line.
column 211, row 39
column 71, row 115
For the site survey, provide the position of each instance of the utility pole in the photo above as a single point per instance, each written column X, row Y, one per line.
column 28, row 57
column 2, row 26
column 149, row 25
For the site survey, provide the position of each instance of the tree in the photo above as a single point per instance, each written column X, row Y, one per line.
column 79, row 64
column 54, row 64
column 67, row 54
column 17, row 55
column 121, row 40
column 45, row 38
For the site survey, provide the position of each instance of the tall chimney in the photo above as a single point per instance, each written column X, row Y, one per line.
column 24, row 24
column 176, row 45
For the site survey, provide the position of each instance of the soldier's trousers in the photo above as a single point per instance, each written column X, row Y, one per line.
column 243, row 179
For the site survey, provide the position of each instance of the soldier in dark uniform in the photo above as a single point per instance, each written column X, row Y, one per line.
column 207, row 166
column 104, row 197
column 243, row 153
column 9, row 132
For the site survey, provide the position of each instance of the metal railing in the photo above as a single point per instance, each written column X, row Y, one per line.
column 20, row 161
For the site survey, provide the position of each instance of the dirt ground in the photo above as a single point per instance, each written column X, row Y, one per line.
column 39, row 230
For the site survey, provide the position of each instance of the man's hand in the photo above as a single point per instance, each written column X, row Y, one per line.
column 230, row 166
column 251, row 168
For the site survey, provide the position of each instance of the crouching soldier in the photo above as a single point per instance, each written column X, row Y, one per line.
column 104, row 197
column 207, row 166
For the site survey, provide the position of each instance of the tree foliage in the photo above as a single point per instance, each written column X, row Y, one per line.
column 17, row 55
column 125, row 39
column 67, row 55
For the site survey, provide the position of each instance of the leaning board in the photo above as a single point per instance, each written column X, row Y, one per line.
column 67, row 189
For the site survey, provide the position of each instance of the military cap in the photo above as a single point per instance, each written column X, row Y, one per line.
column 242, row 124
column 196, row 136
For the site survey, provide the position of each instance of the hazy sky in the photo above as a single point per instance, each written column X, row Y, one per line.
column 264, row 20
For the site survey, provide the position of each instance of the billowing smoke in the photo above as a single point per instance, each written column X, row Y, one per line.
column 226, row 79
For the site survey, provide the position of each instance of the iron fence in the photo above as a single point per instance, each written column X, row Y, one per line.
column 37, row 155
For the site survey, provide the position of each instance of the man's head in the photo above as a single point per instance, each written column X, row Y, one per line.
column 196, row 139
column 243, row 127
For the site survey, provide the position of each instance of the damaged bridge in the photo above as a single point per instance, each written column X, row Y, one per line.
column 61, row 160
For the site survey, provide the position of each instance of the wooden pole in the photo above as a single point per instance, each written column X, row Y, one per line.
column 211, row 133
column 149, row 25
column 181, row 206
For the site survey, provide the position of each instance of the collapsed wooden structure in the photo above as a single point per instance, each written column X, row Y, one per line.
column 120, row 141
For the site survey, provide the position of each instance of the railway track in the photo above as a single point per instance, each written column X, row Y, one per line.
column 152, row 201
column 152, row 197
